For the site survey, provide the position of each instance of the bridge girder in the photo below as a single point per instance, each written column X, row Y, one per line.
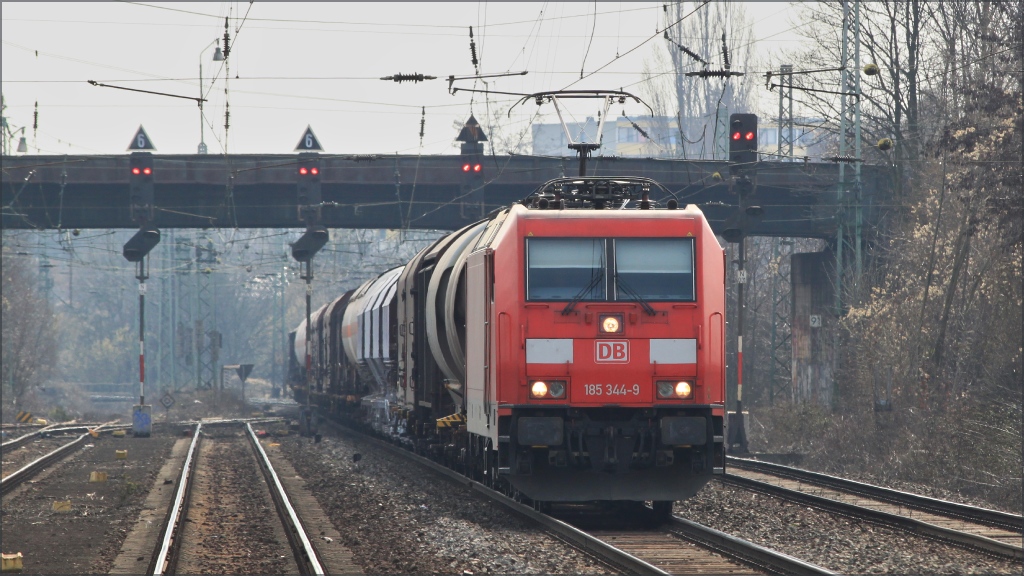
column 259, row 191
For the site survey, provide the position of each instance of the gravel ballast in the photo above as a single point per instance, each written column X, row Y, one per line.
column 398, row 517
column 88, row 537
column 829, row 540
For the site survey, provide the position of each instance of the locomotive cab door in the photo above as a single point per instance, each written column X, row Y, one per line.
column 480, row 409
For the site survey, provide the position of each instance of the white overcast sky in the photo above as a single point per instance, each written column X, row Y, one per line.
column 317, row 64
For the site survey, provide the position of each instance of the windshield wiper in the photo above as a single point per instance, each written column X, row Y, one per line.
column 634, row 295
column 586, row 290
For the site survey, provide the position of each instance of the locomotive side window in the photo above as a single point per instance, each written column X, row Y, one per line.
column 565, row 269
column 654, row 269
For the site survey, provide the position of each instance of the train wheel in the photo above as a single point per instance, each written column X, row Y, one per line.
column 661, row 511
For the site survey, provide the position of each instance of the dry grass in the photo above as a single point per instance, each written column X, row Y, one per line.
column 971, row 452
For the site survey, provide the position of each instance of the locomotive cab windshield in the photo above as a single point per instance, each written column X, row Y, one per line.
column 641, row 269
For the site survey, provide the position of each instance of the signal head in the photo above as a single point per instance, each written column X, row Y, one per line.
column 742, row 140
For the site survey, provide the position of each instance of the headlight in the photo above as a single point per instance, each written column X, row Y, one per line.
column 665, row 389
column 551, row 389
column 683, row 389
column 556, row 389
column 675, row 389
column 539, row 389
column 610, row 323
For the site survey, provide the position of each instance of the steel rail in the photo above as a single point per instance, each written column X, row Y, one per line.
column 964, row 539
column 32, row 468
column 165, row 559
column 232, row 421
column 589, row 544
column 994, row 518
column 54, row 429
column 305, row 553
column 733, row 547
column 23, row 439
column 576, row 537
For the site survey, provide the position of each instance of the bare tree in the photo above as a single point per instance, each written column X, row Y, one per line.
column 28, row 330
column 708, row 33
column 893, row 37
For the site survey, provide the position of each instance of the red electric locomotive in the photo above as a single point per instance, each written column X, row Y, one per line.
column 567, row 348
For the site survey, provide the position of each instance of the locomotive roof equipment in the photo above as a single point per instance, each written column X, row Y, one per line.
column 598, row 192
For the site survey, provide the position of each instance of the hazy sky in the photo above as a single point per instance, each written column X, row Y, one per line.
column 319, row 64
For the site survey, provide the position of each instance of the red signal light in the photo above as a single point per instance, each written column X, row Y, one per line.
column 147, row 171
column 135, row 170
column 314, row 170
column 466, row 167
column 477, row 167
column 749, row 136
column 735, row 135
column 303, row 170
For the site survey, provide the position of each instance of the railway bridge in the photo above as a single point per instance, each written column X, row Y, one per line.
column 794, row 199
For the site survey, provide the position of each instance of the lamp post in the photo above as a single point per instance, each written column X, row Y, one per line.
column 218, row 56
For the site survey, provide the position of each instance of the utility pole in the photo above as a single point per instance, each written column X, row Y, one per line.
column 167, row 319
column 184, row 313
column 781, row 351
column 849, row 194
column 206, row 333
column 283, row 333
column 786, row 138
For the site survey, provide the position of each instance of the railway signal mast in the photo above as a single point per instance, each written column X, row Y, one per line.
column 473, row 184
column 742, row 164
column 309, row 201
column 141, row 193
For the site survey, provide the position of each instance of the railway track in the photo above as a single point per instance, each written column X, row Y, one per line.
column 975, row 528
column 51, row 429
column 218, row 520
column 682, row 547
column 16, row 478
column 685, row 547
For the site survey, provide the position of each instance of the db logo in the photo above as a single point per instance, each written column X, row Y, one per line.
column 613, row 351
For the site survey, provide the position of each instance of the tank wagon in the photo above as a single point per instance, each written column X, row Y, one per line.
column 566, row 348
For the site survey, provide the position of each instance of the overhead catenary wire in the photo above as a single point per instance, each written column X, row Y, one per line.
column 649, row 38
column 410, row 110
column 591, row 43
column 383, row 24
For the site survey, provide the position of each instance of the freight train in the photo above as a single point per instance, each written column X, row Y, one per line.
column 567, row 348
